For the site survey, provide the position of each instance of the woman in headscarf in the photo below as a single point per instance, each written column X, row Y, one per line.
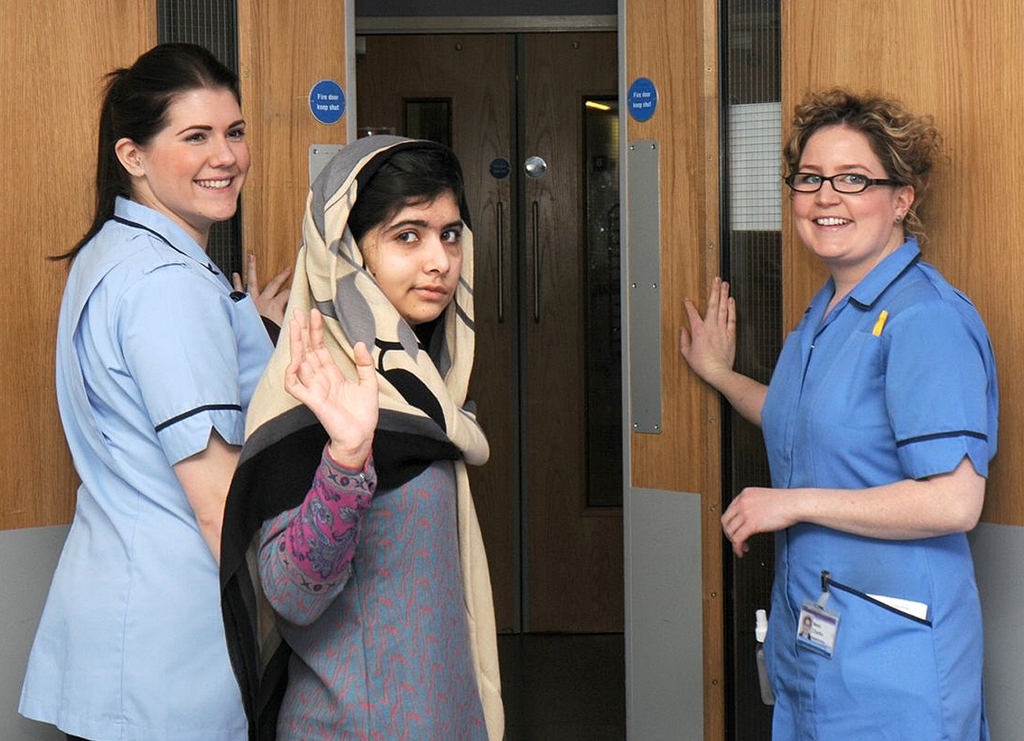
column 351, row 497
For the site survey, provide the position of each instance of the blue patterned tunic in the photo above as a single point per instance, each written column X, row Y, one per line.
column 380, row 642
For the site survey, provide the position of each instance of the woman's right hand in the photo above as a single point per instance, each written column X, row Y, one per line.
column 347, row 410
column 272, row 299
column 709, row 347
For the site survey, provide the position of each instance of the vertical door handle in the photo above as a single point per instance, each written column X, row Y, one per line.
column 535, row 209
column 500, row 219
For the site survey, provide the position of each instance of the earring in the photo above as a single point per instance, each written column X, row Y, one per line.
column 899, row 218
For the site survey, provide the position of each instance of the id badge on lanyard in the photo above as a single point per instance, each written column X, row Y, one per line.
column 817, row 626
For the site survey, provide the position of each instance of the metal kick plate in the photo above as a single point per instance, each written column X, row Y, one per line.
column 644, row 287
column 319, row 156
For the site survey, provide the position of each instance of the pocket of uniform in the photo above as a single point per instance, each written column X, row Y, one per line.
column 915, row 611
column 883, row 680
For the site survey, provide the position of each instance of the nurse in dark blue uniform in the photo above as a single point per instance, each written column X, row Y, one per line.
column 880, row 421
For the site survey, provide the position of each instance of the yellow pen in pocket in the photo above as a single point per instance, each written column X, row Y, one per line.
column 880, row 323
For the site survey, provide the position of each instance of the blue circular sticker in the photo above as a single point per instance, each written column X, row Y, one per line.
column 501, row 168
column 327, row 102
column 643, row 99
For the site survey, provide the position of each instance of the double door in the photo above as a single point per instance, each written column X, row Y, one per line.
column 533, row 119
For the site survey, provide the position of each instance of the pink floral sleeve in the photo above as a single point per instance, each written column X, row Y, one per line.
column 306, row 552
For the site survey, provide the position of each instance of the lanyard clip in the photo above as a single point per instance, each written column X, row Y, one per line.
column 826, row 579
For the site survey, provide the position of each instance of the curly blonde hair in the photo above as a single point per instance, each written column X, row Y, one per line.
column 907, row 145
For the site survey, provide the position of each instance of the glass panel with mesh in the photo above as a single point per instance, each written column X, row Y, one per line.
column 212, row 24
column 752, row 262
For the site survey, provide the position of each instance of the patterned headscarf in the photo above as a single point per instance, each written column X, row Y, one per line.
column 423, row 418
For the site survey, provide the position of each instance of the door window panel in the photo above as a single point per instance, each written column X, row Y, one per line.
column 603, row 330
column 429, row 118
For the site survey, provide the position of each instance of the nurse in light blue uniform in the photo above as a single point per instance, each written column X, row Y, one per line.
column 880, row 421
column 157, row 359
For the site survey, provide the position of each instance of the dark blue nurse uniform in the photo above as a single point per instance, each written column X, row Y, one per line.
column 897, row 382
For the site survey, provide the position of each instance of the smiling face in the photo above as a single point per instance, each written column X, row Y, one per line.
column 194, row 169
column 416, row 257
column 851, row 233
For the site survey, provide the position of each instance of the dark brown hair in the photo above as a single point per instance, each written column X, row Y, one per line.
column 135, row 107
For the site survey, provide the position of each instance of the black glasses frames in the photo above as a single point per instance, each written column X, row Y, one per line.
column 844, row 182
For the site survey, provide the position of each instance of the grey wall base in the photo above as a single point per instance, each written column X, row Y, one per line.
column 664, row 616
column 29, row 557
column 998, row 561
column 664, row 651
column 664, row 647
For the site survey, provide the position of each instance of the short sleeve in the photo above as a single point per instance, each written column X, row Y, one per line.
column 940, row 385
column 175, row 330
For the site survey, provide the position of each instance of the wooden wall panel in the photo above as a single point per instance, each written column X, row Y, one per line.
column 53, row 58
column 675, row 45
column 963, row 63
column 285, row 47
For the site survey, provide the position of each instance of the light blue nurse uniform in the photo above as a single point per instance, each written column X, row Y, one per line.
column 153, row 354
column 862, row 398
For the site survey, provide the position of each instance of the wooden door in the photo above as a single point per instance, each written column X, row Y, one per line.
column 282, row 52
column 396, row 71
column 554, row 565
column 572, row 570
column 43, row 212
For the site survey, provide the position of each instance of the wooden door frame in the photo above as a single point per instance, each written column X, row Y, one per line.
column 678, row 470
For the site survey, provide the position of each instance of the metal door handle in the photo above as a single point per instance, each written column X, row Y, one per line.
column 500, row 219
column 536, row 261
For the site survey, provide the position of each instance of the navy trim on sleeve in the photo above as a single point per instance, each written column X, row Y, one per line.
column 197, row 410
column 942, row 435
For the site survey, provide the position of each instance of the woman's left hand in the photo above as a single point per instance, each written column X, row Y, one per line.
column 908, row 509
column 758, row 510
column 347, row 410
column 272, row 299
